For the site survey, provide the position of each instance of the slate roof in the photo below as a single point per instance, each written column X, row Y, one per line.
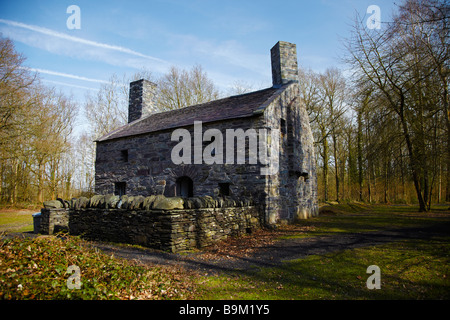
column 240, row 106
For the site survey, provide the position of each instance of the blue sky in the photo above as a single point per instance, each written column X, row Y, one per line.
column 230, row 39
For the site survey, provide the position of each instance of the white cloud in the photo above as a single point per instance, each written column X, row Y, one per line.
column 229, row 52
column 89, row 49
column 226, row 61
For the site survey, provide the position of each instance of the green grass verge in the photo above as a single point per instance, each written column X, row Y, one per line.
column 409, row 270
column 16, row 220
column 355, row 217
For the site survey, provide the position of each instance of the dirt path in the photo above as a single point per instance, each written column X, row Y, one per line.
column 275, row 252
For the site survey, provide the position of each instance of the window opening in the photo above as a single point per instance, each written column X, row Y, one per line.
column 185, row 187
column 224, row 189
column 120, row 188
column 124, row 155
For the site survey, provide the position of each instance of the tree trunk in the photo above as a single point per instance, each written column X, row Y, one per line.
column 68, row 188
column 447, row 122
column 14, row 178
column 1, row 182
column 360, row 164
column 412, row 157
column 439, row 182
column 336, row 171
column 325, row 168
column 402, row 173
column 386, row 177
column 40, row 178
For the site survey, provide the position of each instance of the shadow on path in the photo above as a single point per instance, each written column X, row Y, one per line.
column 274, row 254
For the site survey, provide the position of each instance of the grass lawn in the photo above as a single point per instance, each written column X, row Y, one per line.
column 356, row 217
column 16, row 220
column 410, row 269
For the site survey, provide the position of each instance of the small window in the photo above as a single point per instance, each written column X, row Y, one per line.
column 120, row 188
column 224, row 189
column 185, row 187
column 283, row 126
column 124, row 155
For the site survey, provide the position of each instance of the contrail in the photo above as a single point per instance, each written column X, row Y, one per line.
column 66, row 75
column 79, row 40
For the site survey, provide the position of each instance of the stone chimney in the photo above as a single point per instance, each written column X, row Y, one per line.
column 142, row 99
column 284, row 63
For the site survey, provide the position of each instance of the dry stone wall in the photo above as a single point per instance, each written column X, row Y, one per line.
column 193, row 223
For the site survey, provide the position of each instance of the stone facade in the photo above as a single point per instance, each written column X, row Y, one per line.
column 137, row 159
column 154, row 173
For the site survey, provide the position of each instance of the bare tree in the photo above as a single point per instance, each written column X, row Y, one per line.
column 50, row 134
column 15, row 84
column 180, row 88
column 324, row 95
column 333, row 91
column 424, row 28
column 107, row 110
column 393, row 62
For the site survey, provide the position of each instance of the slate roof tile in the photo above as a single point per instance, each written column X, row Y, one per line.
column 244, row 105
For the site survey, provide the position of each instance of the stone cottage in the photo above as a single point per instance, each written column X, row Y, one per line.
column 210, row 148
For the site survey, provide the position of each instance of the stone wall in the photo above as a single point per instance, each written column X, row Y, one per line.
column 196, row 224
column 170, row 230
column 54, row 220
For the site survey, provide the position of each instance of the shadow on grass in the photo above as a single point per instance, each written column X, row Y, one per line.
column 411, row 269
